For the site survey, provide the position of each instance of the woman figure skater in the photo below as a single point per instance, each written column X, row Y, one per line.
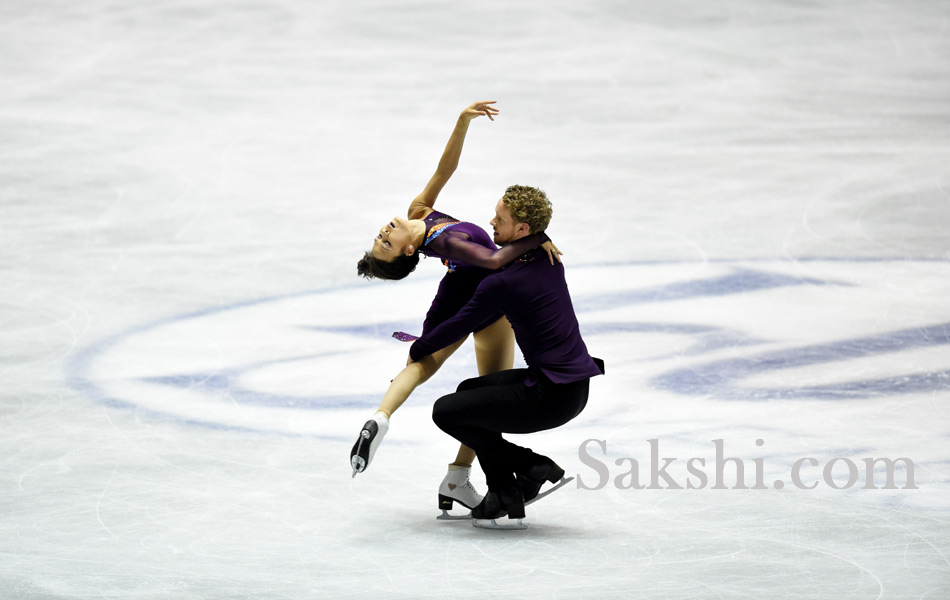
column 470, row 255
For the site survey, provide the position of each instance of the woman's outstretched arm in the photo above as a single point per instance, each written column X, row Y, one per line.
column 424, row 202
column 468, row 252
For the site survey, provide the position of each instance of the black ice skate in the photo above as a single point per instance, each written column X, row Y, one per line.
column 498, row 504
column 544, row 470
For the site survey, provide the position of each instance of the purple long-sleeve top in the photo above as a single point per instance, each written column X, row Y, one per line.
column 471, row 255
column 533, row 295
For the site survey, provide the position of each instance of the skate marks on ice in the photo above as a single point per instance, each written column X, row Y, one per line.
column 663, row 544
column 305, row 364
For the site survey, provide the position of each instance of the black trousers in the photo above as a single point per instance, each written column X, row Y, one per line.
column 484, row 408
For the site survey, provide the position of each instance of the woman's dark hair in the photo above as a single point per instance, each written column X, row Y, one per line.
column 369, row 267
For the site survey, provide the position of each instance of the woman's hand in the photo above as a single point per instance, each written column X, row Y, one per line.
column 480, row 108
column 552, row 251
column 423, row 203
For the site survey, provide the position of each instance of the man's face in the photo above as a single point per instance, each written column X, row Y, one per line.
column 504, row 229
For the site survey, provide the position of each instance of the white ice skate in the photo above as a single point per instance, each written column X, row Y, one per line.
column 370, row 437
column 456, row 487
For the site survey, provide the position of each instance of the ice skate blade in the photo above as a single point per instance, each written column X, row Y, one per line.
column 446, row 516
column 564, row 481
column 494, row 524
column 358, row 465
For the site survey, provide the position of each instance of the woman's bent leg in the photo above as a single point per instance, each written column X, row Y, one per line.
column 412, row 376
column 400, row 388
column 495, row 347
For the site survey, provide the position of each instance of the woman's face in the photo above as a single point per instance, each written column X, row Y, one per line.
column 393, row 240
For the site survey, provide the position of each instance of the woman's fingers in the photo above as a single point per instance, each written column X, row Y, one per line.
column 553, row 251
column 484, row 108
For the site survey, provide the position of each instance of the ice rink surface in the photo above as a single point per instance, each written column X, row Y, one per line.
column 753, row 198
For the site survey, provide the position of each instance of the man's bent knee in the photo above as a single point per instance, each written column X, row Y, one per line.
column 441, row 411
column 470, row 384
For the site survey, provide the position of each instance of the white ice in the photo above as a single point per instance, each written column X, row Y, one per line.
column 753, row 201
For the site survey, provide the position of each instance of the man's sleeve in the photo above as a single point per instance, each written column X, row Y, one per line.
column 485, row 302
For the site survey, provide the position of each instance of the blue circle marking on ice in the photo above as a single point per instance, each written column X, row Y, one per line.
column 739, row 330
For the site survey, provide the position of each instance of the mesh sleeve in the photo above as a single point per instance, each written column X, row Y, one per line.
column 455, row 246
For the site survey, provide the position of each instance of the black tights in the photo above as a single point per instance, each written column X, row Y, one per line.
column 485, row 407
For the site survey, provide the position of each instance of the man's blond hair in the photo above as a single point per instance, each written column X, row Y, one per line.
column 529, row 205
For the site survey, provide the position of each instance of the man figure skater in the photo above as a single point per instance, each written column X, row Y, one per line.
column 551, row 391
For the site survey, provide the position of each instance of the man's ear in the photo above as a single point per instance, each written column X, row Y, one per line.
column 524, row 229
